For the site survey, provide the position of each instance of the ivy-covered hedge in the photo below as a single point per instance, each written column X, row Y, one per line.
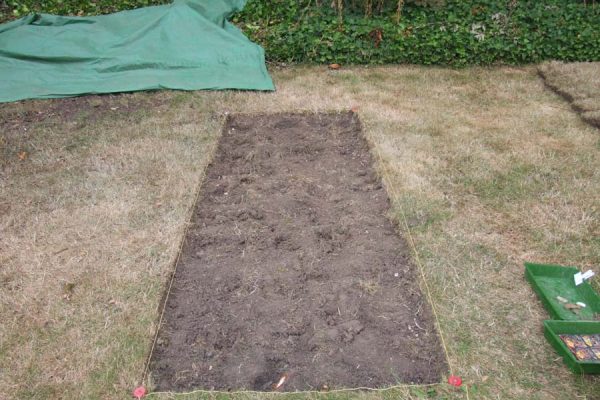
column 458, row 33
column 18, row 8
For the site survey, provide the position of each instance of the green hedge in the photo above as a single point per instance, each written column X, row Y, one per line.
column 459, row 33
column 18, row 8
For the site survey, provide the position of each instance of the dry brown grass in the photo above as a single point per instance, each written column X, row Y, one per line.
column 489, row 167
column 579, row 83
column 91, row 220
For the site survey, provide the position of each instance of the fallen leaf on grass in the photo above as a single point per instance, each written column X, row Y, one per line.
column 281, row 382
column 22, row 155
column 68, row 289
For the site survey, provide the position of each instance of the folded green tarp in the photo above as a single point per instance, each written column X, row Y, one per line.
column 186, row 45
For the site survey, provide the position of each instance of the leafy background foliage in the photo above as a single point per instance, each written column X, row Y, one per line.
column 18, row 8
column 444, row 32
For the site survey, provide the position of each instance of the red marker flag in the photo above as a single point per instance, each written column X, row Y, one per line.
column 139, row 392
column 455, row 380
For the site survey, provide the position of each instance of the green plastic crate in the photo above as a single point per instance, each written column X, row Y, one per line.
column 554, row 328
column 550, row 281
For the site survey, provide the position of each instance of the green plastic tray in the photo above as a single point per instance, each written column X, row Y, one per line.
column 554, row 328
column 550, row 281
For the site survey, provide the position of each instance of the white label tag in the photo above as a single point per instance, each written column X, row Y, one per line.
column 579, row 277
column 588, row 275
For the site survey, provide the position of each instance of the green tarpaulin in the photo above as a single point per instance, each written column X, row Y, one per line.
column 185, row 45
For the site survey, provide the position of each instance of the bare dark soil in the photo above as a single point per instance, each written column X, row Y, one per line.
column 21, row 121
column 292, row 268
column 89, row 109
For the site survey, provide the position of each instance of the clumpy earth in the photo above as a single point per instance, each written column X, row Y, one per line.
column 292, row 269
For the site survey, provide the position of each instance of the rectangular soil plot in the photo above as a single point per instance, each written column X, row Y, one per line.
column 292, row 268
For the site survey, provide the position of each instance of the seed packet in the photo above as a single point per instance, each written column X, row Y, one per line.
column 592, row 340
column 573, row 342
column 585, row 354
column 584, row 347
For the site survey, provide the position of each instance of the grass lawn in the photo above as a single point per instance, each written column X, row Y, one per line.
column 490, row 168
column 578, row 83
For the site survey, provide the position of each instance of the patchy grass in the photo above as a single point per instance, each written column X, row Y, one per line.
column 90, row 224
column 578, row 83
column 489, row 168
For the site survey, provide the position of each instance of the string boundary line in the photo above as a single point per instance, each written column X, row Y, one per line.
column 404, row 386
column 180, row 250
column 393, row 192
